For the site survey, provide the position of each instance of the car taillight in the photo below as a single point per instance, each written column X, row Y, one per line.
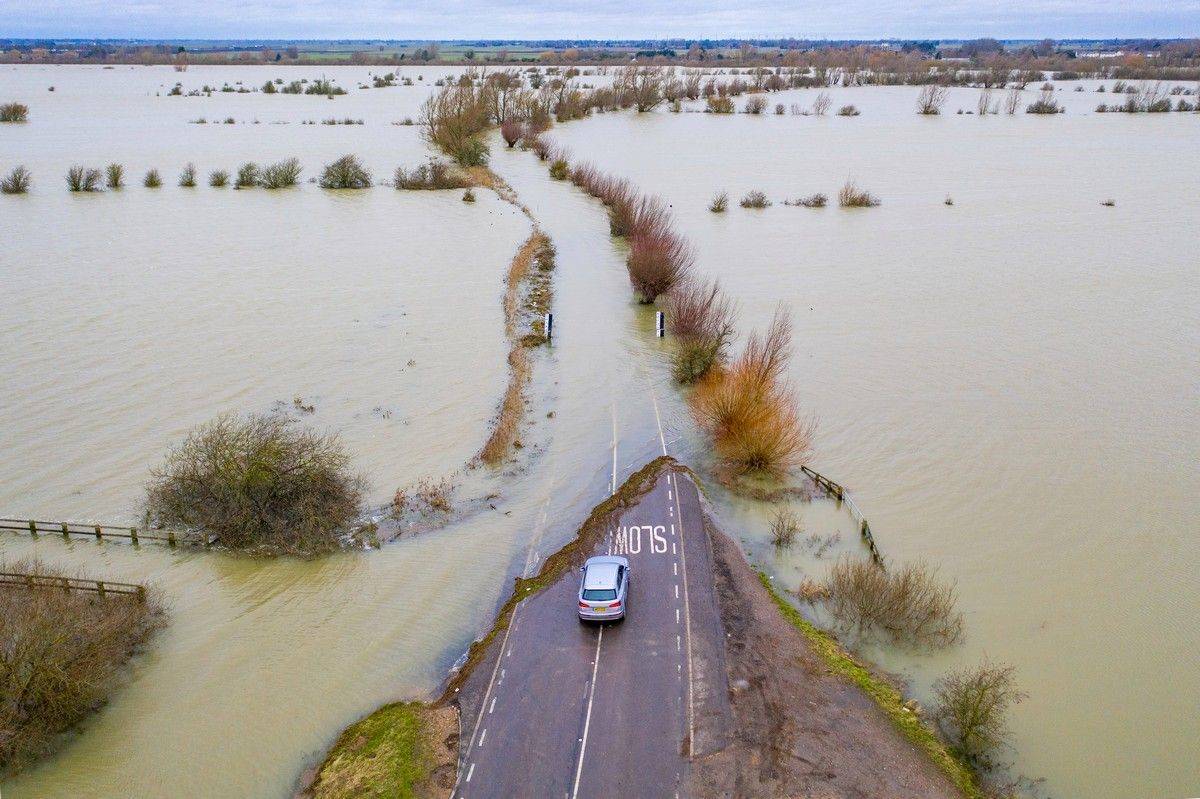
column 616, row 604
column 584, row 605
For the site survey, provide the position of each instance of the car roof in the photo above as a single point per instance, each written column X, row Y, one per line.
column 601, row 574
column 615, row 559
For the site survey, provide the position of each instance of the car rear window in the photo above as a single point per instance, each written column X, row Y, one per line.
column 599, row 594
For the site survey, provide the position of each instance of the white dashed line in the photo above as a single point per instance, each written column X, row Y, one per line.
column 678, row 644
column 493, row 707
column 587, row 719
column 677, row 615
column 677, row 590
column 675, row 568
column 482, row 738
column 470, row 772
column 673, row 551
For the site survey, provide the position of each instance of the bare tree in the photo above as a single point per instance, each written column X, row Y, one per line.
column 972, row 705
column 931, row 99
column 1012, row 101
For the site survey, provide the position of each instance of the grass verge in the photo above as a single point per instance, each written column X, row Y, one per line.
column 394, row 752
column 885, row 695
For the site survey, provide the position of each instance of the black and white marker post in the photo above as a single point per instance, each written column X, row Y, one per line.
column 549, row 326
column 660, row 324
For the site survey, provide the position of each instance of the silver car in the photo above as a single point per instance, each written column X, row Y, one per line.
column 604, row 589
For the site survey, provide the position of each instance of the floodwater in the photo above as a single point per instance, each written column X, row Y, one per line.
column 1007, row 385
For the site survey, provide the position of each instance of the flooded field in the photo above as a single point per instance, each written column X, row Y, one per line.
column 1007, row 385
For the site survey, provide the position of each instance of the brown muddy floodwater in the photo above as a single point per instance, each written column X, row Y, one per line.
column 1008, row 385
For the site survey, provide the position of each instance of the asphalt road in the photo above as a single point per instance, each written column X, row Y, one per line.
column 564, row 709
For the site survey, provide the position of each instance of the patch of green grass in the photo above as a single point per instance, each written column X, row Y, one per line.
column 890, row 701
column 386, row 754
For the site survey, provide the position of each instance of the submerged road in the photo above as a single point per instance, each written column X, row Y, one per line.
column 564, row 709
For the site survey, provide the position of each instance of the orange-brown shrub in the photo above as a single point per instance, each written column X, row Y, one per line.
column 748, row 410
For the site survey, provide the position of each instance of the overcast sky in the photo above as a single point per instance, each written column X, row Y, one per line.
column 538, row 19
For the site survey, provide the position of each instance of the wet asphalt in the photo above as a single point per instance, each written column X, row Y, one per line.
column 560, row 708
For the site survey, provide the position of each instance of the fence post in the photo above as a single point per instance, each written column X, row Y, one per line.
column 99, row 535
column 170, row 538
column 33, row 528
column 549, row 326
column 141, row 593
column 100, row 588
column 66, row 532
column 660, row 324
column 133, row 534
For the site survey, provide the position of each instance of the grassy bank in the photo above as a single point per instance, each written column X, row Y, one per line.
column 884, row 694
column 399, row 751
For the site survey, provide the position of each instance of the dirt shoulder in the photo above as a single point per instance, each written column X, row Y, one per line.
column 808, row 719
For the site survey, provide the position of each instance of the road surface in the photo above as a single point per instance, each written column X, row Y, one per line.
column 563, row 709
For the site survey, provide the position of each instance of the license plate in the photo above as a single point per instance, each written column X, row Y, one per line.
column 600, row 610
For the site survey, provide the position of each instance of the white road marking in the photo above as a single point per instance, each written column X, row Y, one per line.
column 673, row 552
column 657, row 418
column 614, row 448
column 668, row 493
column 677, row 590
column 470, row 772
column 483, row 737
column 675, row 567
column 677, row 615
column 486, row 694
column 492, row 709
column 687, row 627
column 678, row 648
column 587, row 719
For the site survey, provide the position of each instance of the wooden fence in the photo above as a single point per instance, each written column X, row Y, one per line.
column 103, row 588
column 99, row 531
column 836, row 490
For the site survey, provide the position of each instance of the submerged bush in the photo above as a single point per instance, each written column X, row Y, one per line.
column 152, row 180
column 258, row 482
column 848, row 111
column 755, row 104
column 16, row 182
column 435, row 174
column 114, row 176
column 850, row 196
column 971, row 709
column 281, row 174
column 187, row 178
column 1045, row 104
column 700, row 319
column 755, row 199
column 907, row 605
column 784, row 527
column 247, row 174
column 817, row 200
column 454, row 118
column 346, row 172
column 748, row 410
column 720, row 202
column 510, row 131
column 60, row 655
column 931, row 99
column 80, row 178
column 468, row 196
column 717, row 104
column 218, row 178
column 14, row 112
column 658, row 260
column 558, row 169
